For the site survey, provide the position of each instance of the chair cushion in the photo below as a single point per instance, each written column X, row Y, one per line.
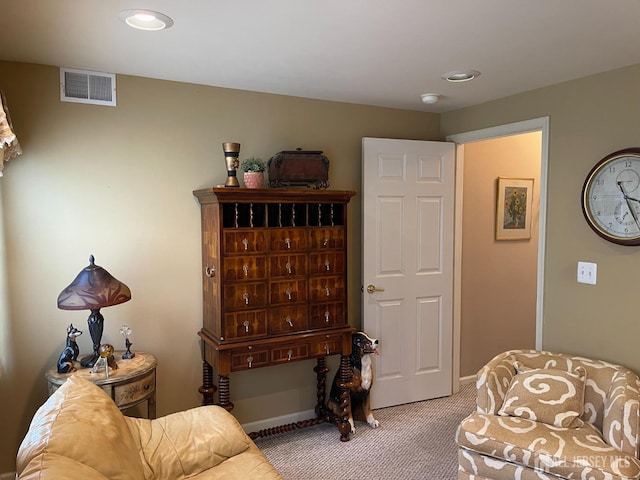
column 81, row 422
column 566, row 452
column 550, row 396
column 187, row 443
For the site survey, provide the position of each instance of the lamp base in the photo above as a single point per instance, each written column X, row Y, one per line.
column 96, row 324
column 90, row 360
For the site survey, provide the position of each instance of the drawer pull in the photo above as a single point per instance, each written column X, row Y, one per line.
column 327, row 265
column 287, row 242
column 325, row 241
column 288, row 267
column 147, row 386
column 246, row 298
column 289, row 321
column 245, row 242
column 327, row 290
column 288, row 293
column 327, row 315
column 289, row 355
column 246, row 326
column 245, row 269
column 249, row 360
column 210, row 271
column 326, row 348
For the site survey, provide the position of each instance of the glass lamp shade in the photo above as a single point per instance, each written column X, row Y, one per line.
column 93, row 289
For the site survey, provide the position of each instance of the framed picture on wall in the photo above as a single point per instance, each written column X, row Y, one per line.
column 514, row 208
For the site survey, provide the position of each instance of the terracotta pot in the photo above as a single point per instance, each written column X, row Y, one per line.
column 254, row 179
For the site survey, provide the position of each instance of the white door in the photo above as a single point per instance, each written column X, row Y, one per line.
column 407, row 248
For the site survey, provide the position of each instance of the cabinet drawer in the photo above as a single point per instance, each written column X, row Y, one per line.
column 323, row 238
column 133, row 392
column 246, row 358
column 330, row 345
column 287, row 291
column 287, row 320
column 287, row 240
column 245, row 268
column 245, row 324
column 326, row 315
column 244, row 241
column 326, row 263
column 326, row 289
column 287, row 265
column 290, row 354
column 245, row 296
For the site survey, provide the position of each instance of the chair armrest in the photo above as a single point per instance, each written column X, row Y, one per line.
column 620, row 426
column 492, row 382
column 187, row 443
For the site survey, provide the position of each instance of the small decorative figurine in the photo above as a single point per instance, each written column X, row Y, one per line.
column 231, row 152
column 125, row 331
column 70, row 352
column 106, row 359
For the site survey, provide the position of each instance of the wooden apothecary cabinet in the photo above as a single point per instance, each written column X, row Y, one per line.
column 274, row 276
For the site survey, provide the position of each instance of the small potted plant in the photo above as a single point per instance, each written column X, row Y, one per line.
column 253, row 169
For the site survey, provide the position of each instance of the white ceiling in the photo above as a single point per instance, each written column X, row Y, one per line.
column 372, row 52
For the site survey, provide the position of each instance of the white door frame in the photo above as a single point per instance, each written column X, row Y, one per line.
column 534, row 125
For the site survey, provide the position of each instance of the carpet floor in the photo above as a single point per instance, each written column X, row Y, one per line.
column 415, row 441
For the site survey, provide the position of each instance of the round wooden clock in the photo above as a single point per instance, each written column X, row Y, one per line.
column 611, row 197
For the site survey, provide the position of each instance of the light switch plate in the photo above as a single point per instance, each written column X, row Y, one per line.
column 587, row 273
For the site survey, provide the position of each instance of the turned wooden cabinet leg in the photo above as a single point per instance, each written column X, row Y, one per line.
column 224, row 394
column 321, row 376
column 208, row 389
column 345, row 398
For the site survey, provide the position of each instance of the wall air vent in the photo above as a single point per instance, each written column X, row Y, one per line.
column 82, row 86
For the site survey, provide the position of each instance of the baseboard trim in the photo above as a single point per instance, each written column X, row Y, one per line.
column 467, row 380
column 300, row 416
column 277, row 421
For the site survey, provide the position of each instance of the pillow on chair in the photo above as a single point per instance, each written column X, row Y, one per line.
column 545, row 395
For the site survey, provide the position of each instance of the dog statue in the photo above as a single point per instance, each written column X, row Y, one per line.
column 360, row 360
column 70, row 352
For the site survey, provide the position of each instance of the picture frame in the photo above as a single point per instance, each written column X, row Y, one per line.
column 514, row 208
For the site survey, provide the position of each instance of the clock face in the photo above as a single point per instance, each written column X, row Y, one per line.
column 611, row 197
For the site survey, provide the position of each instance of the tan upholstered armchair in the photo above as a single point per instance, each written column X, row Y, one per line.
column 548, row 416
column 80, row 434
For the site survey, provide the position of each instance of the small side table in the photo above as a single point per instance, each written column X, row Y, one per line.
column 133, row 382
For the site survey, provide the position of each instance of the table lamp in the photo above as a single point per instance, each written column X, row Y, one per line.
column 93, row 289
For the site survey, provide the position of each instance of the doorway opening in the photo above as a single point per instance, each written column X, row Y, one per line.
column 497, row 272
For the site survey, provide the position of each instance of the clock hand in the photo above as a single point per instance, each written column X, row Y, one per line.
column 626, row 199
column 633, row 213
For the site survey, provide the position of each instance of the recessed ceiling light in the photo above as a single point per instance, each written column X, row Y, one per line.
column 458, row 76
column 145, row 19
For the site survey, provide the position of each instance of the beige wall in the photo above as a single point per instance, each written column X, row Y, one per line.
column 498, row 307
column 589, row 118
column 117, row 183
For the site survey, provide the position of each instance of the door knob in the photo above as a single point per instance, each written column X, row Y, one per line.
column 372, row 288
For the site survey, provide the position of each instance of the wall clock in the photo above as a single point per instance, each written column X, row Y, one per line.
column 611, row 197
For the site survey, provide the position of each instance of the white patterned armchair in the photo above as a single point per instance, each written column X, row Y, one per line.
column 548, row 416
